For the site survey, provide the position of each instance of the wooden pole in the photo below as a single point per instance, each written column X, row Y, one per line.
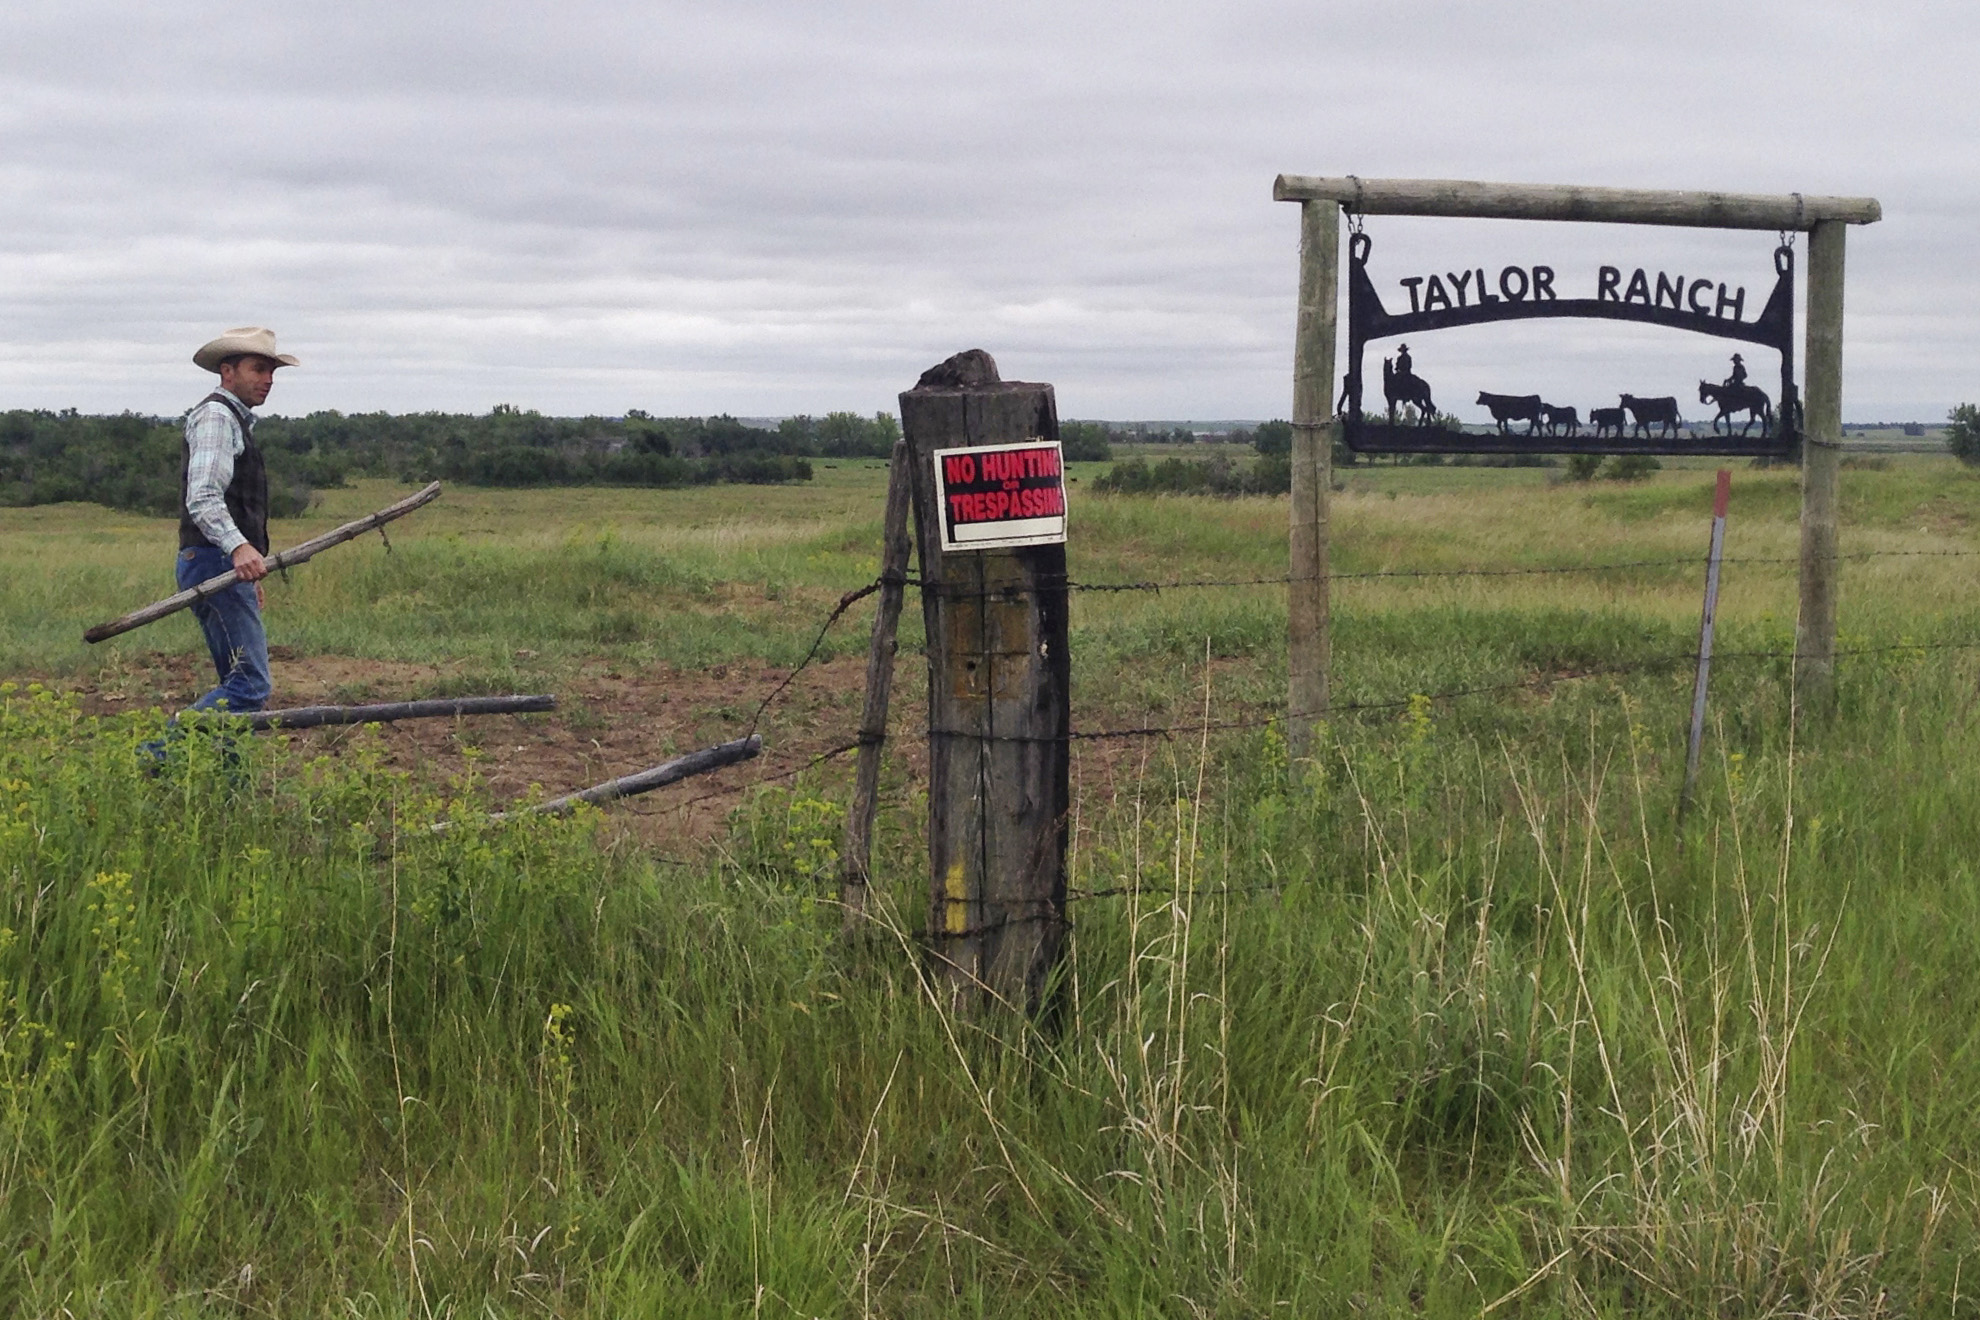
column 1530, row 201
column 855, row 875
column 667, row 772
column 1309, row 636
column 310, row 717
column 999, row 708
column 284, row 559
column 1821, row 466
column 1721, row 495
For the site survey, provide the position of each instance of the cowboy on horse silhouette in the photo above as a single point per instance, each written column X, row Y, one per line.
column 1735, row 395
column 1401, row 385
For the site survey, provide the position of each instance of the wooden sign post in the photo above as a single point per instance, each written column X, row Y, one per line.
column 999, row 685
column 1821, row 471
column 1309, row 623
column 1823, row 219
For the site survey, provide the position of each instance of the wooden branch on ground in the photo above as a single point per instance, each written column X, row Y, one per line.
column 667, row 772
column 310, row 717
column 284, row 559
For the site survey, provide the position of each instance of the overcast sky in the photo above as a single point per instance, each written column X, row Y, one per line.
column 775, row 208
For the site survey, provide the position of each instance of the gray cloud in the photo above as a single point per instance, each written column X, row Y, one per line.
column 768, row 208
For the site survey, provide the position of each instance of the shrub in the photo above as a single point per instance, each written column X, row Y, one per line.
column 1271, row 474
column 1963, row 433
column 1087, row 442
column 1630, row 467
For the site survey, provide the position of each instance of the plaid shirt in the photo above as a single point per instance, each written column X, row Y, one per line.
column 213, row 441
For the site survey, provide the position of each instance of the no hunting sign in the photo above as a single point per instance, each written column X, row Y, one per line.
column 996, row 497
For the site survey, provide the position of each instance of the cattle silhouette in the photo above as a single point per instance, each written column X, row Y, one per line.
column 1509, row 408
column 1660, row 412
column 1606, row 421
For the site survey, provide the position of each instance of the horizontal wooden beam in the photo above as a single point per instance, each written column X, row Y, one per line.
column 1529, row 201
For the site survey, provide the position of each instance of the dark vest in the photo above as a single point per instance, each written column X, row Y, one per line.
column 246, row 494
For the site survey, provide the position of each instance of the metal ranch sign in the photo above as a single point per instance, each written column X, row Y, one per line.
column 996, row 497
column 1745, row 418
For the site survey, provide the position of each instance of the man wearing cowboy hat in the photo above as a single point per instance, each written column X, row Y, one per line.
column 223, row 512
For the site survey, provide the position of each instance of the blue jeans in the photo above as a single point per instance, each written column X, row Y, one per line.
column 231, row 621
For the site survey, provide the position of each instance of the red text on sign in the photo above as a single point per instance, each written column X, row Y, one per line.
column 997, row 505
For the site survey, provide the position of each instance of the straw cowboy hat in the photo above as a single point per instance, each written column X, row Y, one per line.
column 242, row 339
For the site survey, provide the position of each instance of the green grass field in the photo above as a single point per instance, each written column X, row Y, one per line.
column 1449, row 1020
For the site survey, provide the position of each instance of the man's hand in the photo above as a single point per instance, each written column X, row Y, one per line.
column 249, row 563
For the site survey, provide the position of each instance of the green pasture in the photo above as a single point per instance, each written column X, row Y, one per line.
column 1452, row 1019
column 690, row 577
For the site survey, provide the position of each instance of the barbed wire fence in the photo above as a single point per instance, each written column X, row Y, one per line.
column 1654, row 663
column 1645, row 664
column 1669, row 662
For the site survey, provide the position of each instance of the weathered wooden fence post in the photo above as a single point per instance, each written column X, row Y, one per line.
column 855, row 858
column 1309, row 638
column 1821, row 465
column 999, row 709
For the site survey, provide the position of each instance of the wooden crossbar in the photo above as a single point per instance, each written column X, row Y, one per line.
column 1530, row 201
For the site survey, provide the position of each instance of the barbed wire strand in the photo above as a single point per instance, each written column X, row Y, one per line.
column 846, row 602
column 1666, row 662
column 1673, row 661
column 791, row 773
column 851, row 597
column 1526, row 570
column 1677, row 660
column 1206, row 891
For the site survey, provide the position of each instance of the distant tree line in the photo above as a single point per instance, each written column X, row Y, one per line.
column 1268, row 474
column 127, row 462
column 1089, row 442
column 132, row 462
column 1271, row 472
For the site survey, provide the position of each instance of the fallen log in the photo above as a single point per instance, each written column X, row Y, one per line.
column 282, row 559
column 667, row 772
column 310, row 717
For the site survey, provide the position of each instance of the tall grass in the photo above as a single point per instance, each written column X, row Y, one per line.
column 1447, row 1020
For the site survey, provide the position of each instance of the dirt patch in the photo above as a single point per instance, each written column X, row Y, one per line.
column 613, row 721
column 609, row 722
column 1943, row 517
